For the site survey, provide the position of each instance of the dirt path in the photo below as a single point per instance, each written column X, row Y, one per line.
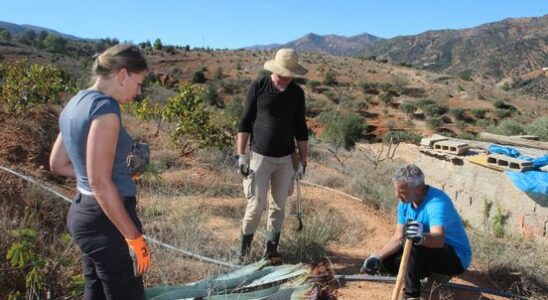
column 374, row 230
column 366, row 231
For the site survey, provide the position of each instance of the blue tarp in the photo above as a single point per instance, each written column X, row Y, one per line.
column 534, row 182
column 530, row 182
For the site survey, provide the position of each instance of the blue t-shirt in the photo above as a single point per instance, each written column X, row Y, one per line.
column 75, row 121
column 437, row 210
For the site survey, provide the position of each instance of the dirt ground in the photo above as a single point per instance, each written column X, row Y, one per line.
column 369, row 229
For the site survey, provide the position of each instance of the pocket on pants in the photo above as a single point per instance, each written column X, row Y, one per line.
column 249, row 185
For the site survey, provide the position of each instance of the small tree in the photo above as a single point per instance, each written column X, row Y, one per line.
column 41, row 38
column 55, row 43
column 218, row 73
column 5, row 34
column 24, row 86
column 408, row 108
column 196, row 124
column 330, row 77
column 158, row 44
column 342, row 129
column 212, row 97
column 199, row 77
column 28, row 37
column 386, row 98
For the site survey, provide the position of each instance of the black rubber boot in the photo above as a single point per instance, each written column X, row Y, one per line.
column 245, row 247
column 272, row 241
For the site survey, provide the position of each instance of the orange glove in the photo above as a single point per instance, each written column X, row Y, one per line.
column 140, row 255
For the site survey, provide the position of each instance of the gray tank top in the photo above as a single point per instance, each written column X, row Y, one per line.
column 75, row 121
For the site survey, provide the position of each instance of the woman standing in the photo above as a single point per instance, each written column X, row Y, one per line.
column 92, row 146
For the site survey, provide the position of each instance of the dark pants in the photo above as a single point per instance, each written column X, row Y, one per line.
column 107, row 266
column 422, row 261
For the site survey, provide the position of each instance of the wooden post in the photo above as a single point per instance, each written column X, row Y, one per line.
column 403, row 269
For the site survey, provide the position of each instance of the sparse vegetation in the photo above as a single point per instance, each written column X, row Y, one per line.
column 342, row 129
column 28, row 85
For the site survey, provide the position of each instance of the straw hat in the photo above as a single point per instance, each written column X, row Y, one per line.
column 286, row 64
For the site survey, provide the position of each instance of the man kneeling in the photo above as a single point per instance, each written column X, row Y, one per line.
column 426, row 216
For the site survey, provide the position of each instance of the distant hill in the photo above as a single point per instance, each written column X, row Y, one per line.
column 500, row 49
column 331, row 44
column 17, row 30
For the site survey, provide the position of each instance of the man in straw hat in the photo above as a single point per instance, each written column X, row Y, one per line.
column 273, row 119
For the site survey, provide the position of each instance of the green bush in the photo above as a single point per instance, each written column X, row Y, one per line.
column 342, row 129
column 478, row 112
column 386, row 98
column 500, row 104
column 212, row 97
column 368, row 87
column 431, row 108
column 502, row 113
column 196, row 124
column 310, row 244
column 507, row 127
column 23, row 86
column 434, row 122
column 330, row 77
column 458, row 113
column 199, row 77
column 401, row 136
column 55, row 43
column 218, row 73
column 408, row 107
column 235, row 107
column 539, row 127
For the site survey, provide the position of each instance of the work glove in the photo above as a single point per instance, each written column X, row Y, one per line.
column 300, row 171
column 140, row 255
column 138, row 159
column 414, row 231
column 243, row 164
column 371, row 265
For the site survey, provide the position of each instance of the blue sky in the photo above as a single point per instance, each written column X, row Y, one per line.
column 234, row 24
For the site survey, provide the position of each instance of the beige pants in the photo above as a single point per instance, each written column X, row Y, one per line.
column 276, row 174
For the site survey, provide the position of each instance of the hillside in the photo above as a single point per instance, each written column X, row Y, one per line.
column 19, row 30
column 190, row 196
column 499, row 49
column 388, row 98
column 329, row 44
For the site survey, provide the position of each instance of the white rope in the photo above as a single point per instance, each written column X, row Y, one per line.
column 150, row 239
column 331, row 190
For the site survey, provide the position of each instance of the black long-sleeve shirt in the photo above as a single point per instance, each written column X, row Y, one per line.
column 274, row 118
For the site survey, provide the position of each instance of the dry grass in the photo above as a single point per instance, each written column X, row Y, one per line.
column 37, row 220
column 353, row 173
column 517, row 264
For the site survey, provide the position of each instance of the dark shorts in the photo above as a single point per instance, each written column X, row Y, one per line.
column 107, row 266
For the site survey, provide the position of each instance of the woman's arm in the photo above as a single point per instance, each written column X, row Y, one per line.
column 59, row 161
column 101, row 149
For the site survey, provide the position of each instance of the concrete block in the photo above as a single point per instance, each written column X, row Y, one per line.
column 509, row 163
column 429, row 142
column 452, row 147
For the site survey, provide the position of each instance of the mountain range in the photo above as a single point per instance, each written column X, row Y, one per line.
column 500, row 49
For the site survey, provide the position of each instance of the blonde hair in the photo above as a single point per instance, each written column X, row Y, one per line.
column 116, row 58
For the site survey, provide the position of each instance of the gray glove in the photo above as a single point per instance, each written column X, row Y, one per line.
column 300, row 171
column 371, row 265
column 138, row 159
column 414, row 231
column 243, row 164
